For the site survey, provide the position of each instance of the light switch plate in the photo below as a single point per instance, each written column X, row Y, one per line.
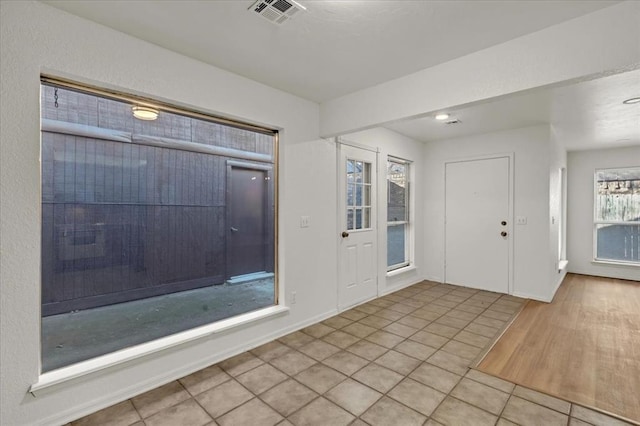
column 305, row 221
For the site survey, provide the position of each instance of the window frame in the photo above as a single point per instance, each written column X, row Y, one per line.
column 597, row 222
column 407, row 222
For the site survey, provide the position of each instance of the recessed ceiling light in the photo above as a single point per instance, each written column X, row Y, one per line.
column 144, row 113
column 632, row 100
column 442, row 116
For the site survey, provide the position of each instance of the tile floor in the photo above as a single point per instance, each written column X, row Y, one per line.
column 402, row 359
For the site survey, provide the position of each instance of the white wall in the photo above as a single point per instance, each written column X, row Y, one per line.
column 391, row 143
column 531, row 148
column 581, row 167
column 557, row 161
column 596, row 43
column 36, row 38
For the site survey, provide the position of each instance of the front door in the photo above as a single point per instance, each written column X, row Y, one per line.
column 357, row 221
column 477, row 204
column 248, row 219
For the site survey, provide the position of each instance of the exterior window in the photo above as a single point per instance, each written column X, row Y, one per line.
column 398, row 224
column 149, row 227
column 617, row 215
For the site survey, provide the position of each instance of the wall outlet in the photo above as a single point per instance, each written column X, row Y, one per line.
column 521, row 220
column 293, row 297
column 305, row 221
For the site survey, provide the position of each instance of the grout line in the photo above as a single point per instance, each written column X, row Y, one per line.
column 442, row 292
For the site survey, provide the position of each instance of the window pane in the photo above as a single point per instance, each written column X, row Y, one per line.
column 350, row 194
column 396, row 237
column 367, row 172
column 618, row 242
column 366, row 220
column 350, row 224
column 141, row 241
column 358, row 218
column 618, row 195
column 358, row 195
column 397, row 201
column 350, row 171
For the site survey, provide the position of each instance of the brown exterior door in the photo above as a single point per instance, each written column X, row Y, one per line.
column 249, row 219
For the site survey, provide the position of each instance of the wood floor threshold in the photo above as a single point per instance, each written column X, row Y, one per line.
column 546, row 392
column 482, row 355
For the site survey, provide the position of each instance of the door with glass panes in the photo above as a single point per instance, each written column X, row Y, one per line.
column 357, row 221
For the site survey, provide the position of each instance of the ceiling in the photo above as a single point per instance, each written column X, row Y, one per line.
column 338, row 47
column 335, row 47
column 584, row 115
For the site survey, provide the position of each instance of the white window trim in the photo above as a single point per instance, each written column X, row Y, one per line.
column 65, row 374
column 407, row 265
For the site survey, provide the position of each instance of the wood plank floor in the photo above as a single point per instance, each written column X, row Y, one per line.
column 583, row 347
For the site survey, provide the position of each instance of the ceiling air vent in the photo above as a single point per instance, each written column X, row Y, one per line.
column 276, row 11
column 454, row 121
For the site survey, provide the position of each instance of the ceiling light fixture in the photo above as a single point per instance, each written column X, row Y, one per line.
column 144, row 113
column 632, row 100
column 442, row 116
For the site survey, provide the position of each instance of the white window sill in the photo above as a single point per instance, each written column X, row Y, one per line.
column 614, row 263
column 65, row 374
column 402, row 270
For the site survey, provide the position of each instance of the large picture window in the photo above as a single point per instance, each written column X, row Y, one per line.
column 150, row 226
column 398, row 224
column 617, row 215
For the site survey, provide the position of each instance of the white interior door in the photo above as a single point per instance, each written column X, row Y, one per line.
column 357, row 253
column 478, row 216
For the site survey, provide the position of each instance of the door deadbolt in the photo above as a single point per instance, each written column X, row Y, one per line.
column 503, row 233
column 503, row 223
column 345, row 234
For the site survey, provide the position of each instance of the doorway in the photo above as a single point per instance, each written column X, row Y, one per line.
column 249, row 219
column 357, row 219
column 478, row 216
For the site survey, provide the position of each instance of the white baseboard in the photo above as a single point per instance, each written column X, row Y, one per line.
column 532, row 296
column 77, row 412
column 631, row 275
column 401, row 286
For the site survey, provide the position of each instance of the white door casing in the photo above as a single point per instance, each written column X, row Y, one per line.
column 357, row 221
column 478, row 223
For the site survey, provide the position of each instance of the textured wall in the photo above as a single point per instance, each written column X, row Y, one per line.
column 35, row 39
column 581, row 168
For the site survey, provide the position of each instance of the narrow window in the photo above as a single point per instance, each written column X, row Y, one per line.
column 150, row 227
column 617, row 215
column 398, row 223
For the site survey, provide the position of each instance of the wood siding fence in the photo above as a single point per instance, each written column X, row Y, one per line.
column 128, row 220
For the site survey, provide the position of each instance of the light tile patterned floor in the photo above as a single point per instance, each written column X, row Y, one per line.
column 402, row 359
